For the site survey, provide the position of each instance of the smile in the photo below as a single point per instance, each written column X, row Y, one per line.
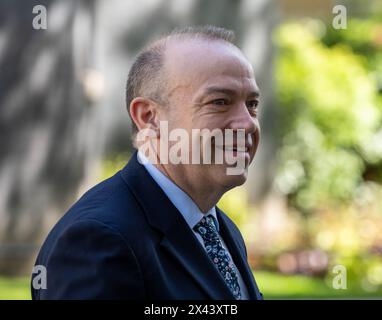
column 233, row 148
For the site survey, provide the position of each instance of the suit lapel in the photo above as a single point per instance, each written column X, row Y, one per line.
column 238, row 256
column 178, row 239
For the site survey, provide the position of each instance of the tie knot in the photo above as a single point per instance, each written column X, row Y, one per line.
column 206, row 227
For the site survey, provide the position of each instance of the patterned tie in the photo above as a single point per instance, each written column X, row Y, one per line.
column 219, row 256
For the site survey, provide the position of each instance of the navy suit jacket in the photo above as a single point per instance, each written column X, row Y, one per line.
column 124, row 239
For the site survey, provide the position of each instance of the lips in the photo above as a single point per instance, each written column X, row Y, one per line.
column 234, row 148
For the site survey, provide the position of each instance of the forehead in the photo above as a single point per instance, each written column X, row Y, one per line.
column 196, row 64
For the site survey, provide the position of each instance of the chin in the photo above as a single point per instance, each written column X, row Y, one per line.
column 232, row 181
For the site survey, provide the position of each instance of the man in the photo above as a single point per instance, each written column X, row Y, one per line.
column 152, row 231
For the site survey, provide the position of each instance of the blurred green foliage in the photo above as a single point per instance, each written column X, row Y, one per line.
column 330, row 106
column 329, row 90
column 112, row 164
column 235, row 204
column 15, row 288
column 279, row 286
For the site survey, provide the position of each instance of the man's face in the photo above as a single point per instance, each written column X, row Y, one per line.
column 212, row 86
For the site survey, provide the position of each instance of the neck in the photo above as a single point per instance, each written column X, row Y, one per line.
column 204, row 196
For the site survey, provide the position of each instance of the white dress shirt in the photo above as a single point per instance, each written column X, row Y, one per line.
column 187, row 207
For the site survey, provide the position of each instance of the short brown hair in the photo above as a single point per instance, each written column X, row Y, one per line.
column 146, row 77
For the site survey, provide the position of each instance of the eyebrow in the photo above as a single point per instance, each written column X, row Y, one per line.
column 215, row 89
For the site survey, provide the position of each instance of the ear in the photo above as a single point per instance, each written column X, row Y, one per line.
column 144, row 113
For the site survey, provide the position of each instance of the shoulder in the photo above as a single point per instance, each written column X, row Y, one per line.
column 88, row 260
column 111, row 202
column 107, row 209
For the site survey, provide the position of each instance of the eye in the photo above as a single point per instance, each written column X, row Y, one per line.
column 219, row 102
column 252, row 106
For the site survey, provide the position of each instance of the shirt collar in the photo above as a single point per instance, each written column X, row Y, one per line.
column 180, row 199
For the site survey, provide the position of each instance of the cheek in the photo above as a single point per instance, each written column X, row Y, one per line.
column 182, row 118
column 174, row 121
column 212, row 121
column 256, row 139
column 257, row 133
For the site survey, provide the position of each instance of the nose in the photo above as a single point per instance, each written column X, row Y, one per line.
column 242, row 119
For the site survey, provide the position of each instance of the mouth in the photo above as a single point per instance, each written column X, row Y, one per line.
column 237, row 152
column 244, row 149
